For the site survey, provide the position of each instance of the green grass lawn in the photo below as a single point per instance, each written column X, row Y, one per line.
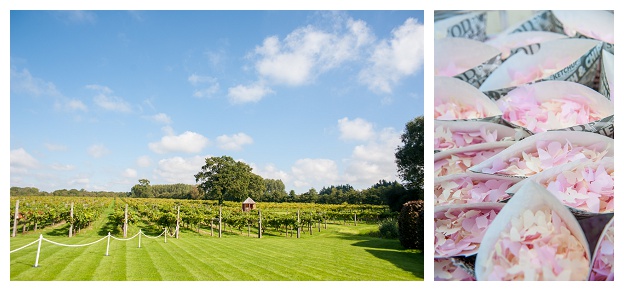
column 339, row 253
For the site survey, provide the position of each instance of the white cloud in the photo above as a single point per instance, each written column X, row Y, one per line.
column 55, row 147
column 308, row 172
column 144, row 161
column 129, row 173
column 308, row 51
column 270, row 172
column 82, row 183
column 197, row 79
column 357, row 129
column 209, row 85
column 160, row 118
column 187, row 142
column 21, row 161
column 179, row 170
column 77, row 16
column 97, row 150
column 396, row 58
column 60, row 167
column 106, row 100
column 234, row 142
column 24, row 82
column 76, row 105
column 374, row 160
column 244, row 94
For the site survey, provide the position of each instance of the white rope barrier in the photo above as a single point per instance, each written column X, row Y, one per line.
column 81, row 245
column 109, row 236
column 30, row 244
column 125, row 238
column 147, row 236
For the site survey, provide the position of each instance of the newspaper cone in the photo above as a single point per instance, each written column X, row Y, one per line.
column 455, row 99
column 545, row 150
column 460, row 228
column 606, row 75
column 471, row 187
column 468, row 25
column 468, row 60
column 527, row 42
column 585, row 187
column 603, row 259
column 569, row 59
column 533, row 238
column 456, row 134
column 553, row 105
column 459, row 160
column 594, row 24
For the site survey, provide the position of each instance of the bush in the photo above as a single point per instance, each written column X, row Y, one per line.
column 412, row 225
column 389, row 228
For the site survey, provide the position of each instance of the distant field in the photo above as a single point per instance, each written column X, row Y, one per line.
column 339, row 253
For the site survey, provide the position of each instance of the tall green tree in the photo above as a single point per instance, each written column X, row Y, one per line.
column 142, row 190
column 223, row 178
column 410, row 156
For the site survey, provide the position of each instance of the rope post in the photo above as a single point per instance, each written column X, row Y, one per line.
column 38, row 250
column 71, row 214
column 108, row 244
column 15, row 218
column 140, row 238
column 178, row 223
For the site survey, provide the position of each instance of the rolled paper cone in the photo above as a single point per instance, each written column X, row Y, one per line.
column 606, row 75
column 468, row 60
column 567, row 59
column 469, row 25
column 456, row 210
column 540, row 21
column 576, row 138
column 603, row 258
column 476, row 129
column 513, row 104
column 487, row 149
column 594, row 24
column 459, row 94
column 476, row 178
column 527, row 41
column 550, row 175
column 446, row 270
column 534, row 197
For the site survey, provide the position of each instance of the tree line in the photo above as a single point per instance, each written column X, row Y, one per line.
column 224, row 179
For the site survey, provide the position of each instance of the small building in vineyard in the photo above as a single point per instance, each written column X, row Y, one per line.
column 249, row 204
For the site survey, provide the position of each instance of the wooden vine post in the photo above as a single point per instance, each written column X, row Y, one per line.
column 178, row 223
column 355, row 219
column 219, row 220
column 298, row 225
column 125, row 228
column 71, row 214
column 259, row 223
column 15, row 218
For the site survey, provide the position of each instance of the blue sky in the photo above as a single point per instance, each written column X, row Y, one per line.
column 100, row 99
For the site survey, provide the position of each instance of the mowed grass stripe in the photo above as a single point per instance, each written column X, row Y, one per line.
column 286, row 260
column 113, row 266
column 55, row 258
column 82, row 267
column 139, row 265
column 314, row 252
column 168, row 266
column 223, row 266
column 242, row 252
column 195, row 267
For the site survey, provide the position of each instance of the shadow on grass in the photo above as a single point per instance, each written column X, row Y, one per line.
column 392, row 251
column 59, row 231
column 409, row 261
column 109, row 227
